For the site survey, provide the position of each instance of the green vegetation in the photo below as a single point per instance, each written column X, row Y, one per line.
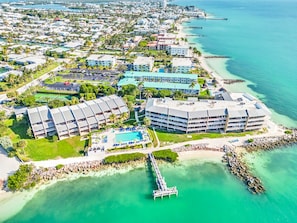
column 59, row 166
column 153, row 137
column 53, row 80
column 21, row 179
column 167, row 155
column 204, row 93
column 250, row 140
column 12, row 81
column 165, row 137
column 123, row 158
column 45, row 70
column 288, row 132
column 41, row 149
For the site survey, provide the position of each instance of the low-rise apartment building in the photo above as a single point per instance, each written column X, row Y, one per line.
column 77, row 119
column 178, row 50
column 143, row 64
column 169, row 81
column 205, row 116
column 181, row 65
column 101, row 60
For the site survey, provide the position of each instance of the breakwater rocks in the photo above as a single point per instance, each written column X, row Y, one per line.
column 238, row 168
column 232, row 81
column 270, row 143
column 43, row 175
column 196, row 147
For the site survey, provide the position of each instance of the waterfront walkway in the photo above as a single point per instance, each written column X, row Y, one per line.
column 163, row 190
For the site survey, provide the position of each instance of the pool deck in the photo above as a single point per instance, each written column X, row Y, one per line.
column 103, row 141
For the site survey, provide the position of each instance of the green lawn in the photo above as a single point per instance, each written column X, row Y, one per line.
column 152, row 137
column 53, row 80
column 52, row 66
column 165, row 137
column 43, row 149
column 204, row 93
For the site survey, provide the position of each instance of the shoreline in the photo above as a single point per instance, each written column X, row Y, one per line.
column 9, row 199
column 218, row 70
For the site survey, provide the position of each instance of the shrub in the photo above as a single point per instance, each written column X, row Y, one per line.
column 167, row 155
column 22, row 143
column 20, row 179
column 6, row 143
column 250, row 140
column 59, row 166
column 288, row 132
column 123, row 158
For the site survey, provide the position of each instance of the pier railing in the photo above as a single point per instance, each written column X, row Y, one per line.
column 163, row 190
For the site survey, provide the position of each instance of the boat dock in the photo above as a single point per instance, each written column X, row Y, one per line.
column 163, row 190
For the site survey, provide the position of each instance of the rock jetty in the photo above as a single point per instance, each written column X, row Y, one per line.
column 232, row 81
column 43, row 175
column 196, row 147
column 238, row 168
column 270, row 143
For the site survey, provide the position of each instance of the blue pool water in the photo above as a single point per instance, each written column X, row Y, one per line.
column 128, row 136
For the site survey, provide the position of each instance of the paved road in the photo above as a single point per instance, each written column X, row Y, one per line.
column 37, row 81
column 7, row 165
column 33, row 83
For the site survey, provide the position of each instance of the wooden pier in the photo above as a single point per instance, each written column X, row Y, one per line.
column 163, row 190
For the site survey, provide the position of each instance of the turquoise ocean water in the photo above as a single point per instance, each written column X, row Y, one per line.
column 260, row 36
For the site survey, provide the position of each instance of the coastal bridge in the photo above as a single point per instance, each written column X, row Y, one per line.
column 163, row 190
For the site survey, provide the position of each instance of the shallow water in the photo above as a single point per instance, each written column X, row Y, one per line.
column 260, row 37
column 207, row 193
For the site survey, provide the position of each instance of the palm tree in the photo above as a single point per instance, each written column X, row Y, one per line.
column 11, row 79
column 124, row 116
column 192, row 85
column 146, row 121
column 178, row 94
column 113, row 118
column 148, row 94
column 140, row 86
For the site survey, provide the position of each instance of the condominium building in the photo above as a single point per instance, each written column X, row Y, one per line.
column 206, row 116
column 101, row 60
column 178, row 50
column 143, row 64
column 77, row 119
column 169, row 81
column 181, row 65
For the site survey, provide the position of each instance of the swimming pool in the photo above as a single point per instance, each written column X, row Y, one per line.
column 128, row 136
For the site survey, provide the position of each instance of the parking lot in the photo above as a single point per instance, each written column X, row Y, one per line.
column 63, row 86
column 91, row 75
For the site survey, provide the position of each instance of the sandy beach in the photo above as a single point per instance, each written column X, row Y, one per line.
column 202, row 156
column 8, row 200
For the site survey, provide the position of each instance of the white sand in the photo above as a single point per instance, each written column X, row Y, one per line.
column 7, row 165
column 201, row 155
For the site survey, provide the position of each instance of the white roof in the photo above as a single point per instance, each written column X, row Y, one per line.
column 143, row 60
column 178, row 62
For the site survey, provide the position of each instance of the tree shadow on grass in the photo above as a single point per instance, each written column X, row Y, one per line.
column 20, row 128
